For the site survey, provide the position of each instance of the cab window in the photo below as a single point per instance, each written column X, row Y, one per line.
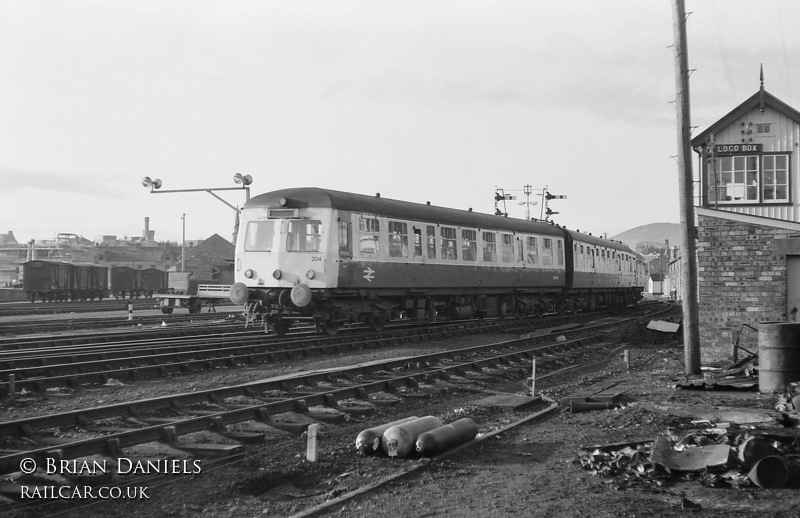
column 303, row 235
column 259, row 235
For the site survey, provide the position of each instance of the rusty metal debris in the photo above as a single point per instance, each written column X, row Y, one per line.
column 713, row 457
column 588, row 404
column 684, row 456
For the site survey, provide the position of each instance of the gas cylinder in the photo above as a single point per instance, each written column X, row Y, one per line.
column 448, row 436
column 369, row 440
column 398, row 441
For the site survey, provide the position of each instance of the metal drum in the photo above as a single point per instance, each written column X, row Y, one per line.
column 778, row 355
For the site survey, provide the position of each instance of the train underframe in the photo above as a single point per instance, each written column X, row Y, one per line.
column 328, row 310
column 66, row 295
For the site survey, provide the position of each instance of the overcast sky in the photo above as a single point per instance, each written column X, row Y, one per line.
column 439, row 101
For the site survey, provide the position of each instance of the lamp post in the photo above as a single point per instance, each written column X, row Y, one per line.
column 243, row 180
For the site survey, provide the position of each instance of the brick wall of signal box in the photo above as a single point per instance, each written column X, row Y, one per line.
column 740, row 281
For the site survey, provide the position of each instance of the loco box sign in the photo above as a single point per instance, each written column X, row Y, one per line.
column 737, row 148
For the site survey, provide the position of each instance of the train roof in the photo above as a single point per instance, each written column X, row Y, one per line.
column 599, row 241
column 303, row 197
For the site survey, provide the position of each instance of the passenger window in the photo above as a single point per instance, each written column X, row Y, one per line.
column 489, row 247
column 547, row 252
column 398, row 239
column 431, row 240
column 369, row 229
column 449, row 244
column 507, row 248
column 560, row 251
column 533, row 250
column 417, row 242
column 344, row 237
column 469, row 245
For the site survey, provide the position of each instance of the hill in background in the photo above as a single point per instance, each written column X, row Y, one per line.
column 653, row 235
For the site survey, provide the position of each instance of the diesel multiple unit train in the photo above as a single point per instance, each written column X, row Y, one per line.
column 331, row 257
column 57, row 281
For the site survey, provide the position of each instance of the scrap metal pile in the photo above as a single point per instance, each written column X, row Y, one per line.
column 715, row 457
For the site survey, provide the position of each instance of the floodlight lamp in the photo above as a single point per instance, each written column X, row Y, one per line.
column 153, row 184
column 244, row 179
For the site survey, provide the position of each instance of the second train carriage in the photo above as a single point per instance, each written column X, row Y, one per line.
column 333, row 257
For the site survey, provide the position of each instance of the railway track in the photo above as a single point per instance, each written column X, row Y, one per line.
column 33, row 368
column 28, row 308
column 68, row 323
column 332, row 389
column 332, row 396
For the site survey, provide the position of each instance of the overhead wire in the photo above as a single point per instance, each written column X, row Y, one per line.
column 724, row 51
column 785, row 54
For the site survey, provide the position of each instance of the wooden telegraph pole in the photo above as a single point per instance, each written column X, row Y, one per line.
column 691, row 328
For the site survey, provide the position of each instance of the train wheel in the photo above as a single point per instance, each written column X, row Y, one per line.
column 195, row 306
column 502, row 308
column 377, row 321
column 166, row 310
column 330, row 327
column 430, row 311
column 279, row 326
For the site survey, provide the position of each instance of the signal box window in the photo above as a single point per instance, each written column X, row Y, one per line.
column 303, row 236
column 737, row 179
column 507, row 248
column 489, row 247
column 776, row 178
column 431, row 241
column 398, row 239
column 533, row 250
column 765, row 128
column 469, row 245
column 259, row 235
column 449, row 244
column 369, row 229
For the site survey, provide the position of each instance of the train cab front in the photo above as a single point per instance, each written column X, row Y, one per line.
column 281, row 262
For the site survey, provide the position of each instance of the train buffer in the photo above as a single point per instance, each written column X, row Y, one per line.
column 206, row 295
